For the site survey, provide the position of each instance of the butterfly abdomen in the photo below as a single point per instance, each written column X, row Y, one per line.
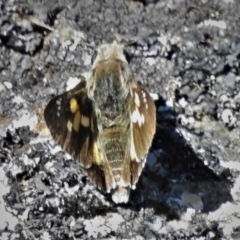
column 115, row 143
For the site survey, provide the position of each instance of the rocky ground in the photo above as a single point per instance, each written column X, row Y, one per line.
column 186, row 53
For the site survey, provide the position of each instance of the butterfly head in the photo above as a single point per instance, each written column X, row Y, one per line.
column 108, row 52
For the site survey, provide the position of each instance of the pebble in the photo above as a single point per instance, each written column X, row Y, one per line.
column 227, row 117
column 8, row 85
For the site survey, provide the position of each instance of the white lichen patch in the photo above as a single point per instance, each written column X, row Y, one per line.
column 69, row 191
column 53, row 202
column 100, row 227
column 96, row 227
column 154, row 96
column 18, row 100
column 213, row 23
column 114, row 220
column 72, row 82
column 228, row 217
column 27, row 119
column 7, row 219
column 27, row 161
column 69, row 37
column 228, row 214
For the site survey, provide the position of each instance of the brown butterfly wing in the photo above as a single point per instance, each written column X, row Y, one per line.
column 143, row 125
column 72, row 123
column 68, row 117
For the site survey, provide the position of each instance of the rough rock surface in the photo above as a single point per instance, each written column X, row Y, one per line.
column 190, row 186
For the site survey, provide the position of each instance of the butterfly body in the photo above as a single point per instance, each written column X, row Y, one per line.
column 106, row 123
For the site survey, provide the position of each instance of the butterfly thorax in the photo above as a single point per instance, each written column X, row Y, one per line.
column 111, row 97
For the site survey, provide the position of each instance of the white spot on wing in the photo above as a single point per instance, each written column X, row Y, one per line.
column 137, row 117
column 69, row 126
column 131, row 93
column 132, row 150
column 144, row 96
column 133, row 153
column 137, row 100
column 59, row 101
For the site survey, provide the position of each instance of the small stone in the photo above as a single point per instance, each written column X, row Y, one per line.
column 211, row 235
column 227, row 117
column 8, row 85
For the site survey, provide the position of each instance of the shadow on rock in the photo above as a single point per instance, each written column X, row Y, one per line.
column 175, row 176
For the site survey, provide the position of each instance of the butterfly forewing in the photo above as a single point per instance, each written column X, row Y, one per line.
column 68, row 117
column 143, row 124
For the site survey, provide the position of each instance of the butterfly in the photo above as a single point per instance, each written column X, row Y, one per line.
column 106, row 123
